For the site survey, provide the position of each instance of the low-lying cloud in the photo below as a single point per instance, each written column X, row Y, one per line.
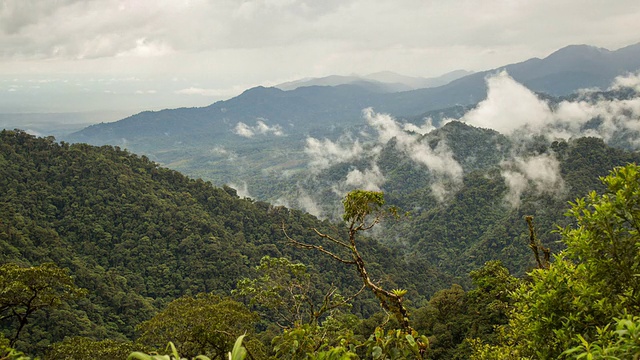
column 261, row 128
column 509, row 106
column 438, row 160
column 426, row 128
column 302, row 201
column 446, row 171
column 326, row 153
column 512, row 109
column 370, row 179
column 540, row 173
column 629, row 81
column 242, row 190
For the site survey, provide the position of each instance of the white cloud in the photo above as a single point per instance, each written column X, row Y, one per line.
column 426, row 128
column 217, row 44
column 516, row 183
column 369, row 179
column 308, row 204
column 199, row 91
column 242, row 190
column 512, row 109
column 439, row 160
column 326, row 153
column 261, row 128
column 145, row 48
column 303, row 201
column 219, row 150
column 244, row 130
column 631, row 81
column 445, row 170
column 541, row 173
column 509, row 106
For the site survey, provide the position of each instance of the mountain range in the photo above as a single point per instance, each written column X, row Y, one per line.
column 384, row 81
column 265, row 129
column 304, row 148
column 315, row 108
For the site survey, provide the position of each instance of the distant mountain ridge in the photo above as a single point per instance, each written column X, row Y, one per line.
column 383, row 81
column 565, row 70
column 198, row 141
column 305, row 108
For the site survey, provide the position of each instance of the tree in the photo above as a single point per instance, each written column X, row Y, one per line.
column 285, row 293
column 579, row 296
column 206, row 324
column 9, row 353
column 490, row 300
column 362, row 211
column 80, row 348
column 25, row 290
column 606, row 240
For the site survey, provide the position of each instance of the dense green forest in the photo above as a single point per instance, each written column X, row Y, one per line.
column 105, row 253
column 138, row 236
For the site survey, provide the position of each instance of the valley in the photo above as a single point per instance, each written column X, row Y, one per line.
column 176, row 225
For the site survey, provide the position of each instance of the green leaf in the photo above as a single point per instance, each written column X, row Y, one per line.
column 376, row 352
column 238, row 352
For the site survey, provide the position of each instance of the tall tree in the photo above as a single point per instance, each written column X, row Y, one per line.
column 285, row 293
column 25, row 290
column 205, row 324
column 362, row 211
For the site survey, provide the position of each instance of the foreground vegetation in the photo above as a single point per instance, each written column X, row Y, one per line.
column 104, row 264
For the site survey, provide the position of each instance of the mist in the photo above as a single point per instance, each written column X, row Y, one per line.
column 512, row 109
column 540, row 173
column 261, row 128
column 326, row 153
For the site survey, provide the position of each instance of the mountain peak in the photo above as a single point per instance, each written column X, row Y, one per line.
column 578, row 51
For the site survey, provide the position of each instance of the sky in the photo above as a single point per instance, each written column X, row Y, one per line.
column 126, row 56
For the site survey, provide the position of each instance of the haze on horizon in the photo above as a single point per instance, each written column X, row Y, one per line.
column 127, row 56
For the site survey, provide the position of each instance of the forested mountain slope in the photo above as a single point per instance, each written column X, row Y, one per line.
column 138, row 236
column 460, row 220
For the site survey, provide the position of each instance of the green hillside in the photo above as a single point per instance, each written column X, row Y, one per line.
column 138, row 236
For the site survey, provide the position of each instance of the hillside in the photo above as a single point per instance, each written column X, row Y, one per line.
column 137, row 236
column 461, row 219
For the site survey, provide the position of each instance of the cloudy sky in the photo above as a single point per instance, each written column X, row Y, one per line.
column 132, row 55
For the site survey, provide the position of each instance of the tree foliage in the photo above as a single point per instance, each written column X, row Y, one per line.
column 362, row 211
column 286, row 294
column 589, row 285
column 81, row 348
column 143, row 240
column 206, row 324
column 25, row 290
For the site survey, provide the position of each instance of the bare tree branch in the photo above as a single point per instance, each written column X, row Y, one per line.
column 331, row 238
column 316, row 247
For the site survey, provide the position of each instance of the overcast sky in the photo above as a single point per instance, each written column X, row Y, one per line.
column 132, row 55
